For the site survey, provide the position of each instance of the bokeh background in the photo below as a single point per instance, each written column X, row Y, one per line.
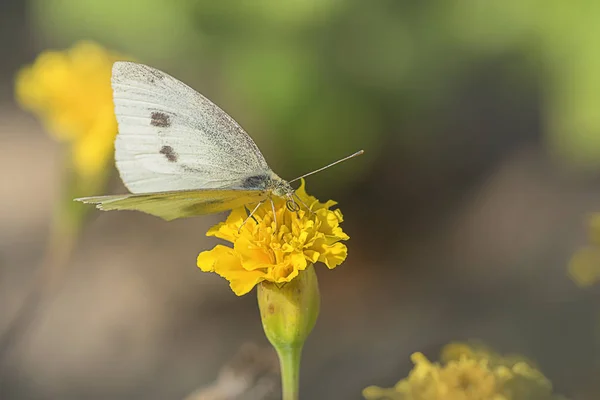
column 481, row 126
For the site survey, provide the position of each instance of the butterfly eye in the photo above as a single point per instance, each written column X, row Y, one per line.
column 292, row 206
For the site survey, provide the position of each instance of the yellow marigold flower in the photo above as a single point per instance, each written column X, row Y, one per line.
column 584, row 268
column 275, row 250
column 70, row 92
column 468, row 373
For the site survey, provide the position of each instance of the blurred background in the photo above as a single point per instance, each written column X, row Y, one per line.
column 481, row 132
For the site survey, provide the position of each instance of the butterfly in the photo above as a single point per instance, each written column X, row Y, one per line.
column 180, row 155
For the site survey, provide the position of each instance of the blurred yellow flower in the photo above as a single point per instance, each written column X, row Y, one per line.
column 263, row 251
column 70, row 92
column 468, row 373
column 584, row 268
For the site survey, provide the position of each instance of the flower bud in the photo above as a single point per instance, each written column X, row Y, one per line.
column 289, row 311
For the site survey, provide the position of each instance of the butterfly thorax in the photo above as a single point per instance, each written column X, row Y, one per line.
column 282, row 188
column 272, row 183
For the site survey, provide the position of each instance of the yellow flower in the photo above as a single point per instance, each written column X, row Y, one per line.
column 70, row 92
column 468, row 373
column 275, row 251
column 584, row 268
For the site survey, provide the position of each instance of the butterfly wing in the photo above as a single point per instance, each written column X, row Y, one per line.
column 180, row 204
column 173, row 138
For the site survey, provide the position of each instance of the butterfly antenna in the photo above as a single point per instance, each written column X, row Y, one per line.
column 358, row 153
column 274, row 213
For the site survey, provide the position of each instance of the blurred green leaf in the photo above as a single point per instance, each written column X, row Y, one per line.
column 148, row 29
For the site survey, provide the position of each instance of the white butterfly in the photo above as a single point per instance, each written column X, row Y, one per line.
column 180, row 155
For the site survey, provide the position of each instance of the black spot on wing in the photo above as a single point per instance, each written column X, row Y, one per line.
column 256, row 182
column 160, row 119
column 169, row 153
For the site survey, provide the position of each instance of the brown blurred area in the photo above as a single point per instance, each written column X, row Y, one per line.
column 464, row 236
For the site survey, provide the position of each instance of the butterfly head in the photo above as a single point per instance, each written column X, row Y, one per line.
column 282, row 188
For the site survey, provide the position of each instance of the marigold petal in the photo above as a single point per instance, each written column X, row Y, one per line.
column 312, row 256
column 298, row 261
column 228, row 230
column 243, row 282
column 246, row 283
column 251, row 255
column 334, row 255
column 207, row 260
column 225, row 262
column 282, row 273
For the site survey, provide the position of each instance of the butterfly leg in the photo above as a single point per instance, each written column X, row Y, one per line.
column 250, row 216
column 274, row 213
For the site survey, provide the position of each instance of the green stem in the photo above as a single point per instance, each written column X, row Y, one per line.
column 289, row 361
